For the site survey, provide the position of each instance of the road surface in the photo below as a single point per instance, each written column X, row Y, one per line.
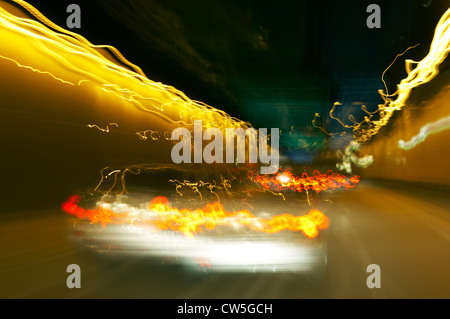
column 400, row 227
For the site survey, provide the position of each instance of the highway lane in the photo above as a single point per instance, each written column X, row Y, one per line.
column 403, row 229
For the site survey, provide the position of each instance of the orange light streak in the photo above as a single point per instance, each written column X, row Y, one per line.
column 190, row 222
column 318, row 182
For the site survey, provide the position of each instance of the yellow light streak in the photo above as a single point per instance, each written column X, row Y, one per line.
column 423, row 72
column 83, row 62
column 117, row 186
column 153, row 135
column 224, row 184
column 106, row 130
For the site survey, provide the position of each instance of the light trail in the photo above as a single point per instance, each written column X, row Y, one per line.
column 117, row 186
column 423, row 72
column 224, row 184
column 426, row 130
column 85, row 63
column 106, row 130
column 144, row 135
column 313, row 122
column 35, row 70
column 318, row 182
column 163, row 216
column 349, row 158
column 392, row 63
